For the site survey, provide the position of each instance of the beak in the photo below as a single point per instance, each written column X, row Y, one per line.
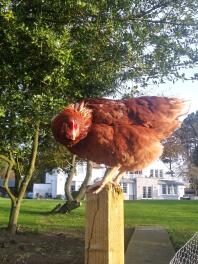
column 73, row 134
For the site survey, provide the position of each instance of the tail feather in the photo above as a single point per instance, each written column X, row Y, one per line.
column 171, row 120
column 160, row 113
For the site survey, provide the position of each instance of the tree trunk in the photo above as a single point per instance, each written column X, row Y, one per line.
column 68, row 182
column 18, row 181
column 170, row 166
column 74, row 202
column 82, row 190
column 196, row 190
column 17, row 199
column 65, row 208
column 14, row 214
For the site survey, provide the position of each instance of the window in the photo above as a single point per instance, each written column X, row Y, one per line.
column 169, row 189
column 144, row 192
column 175, row 189
column 156, row 173
column 161, row 173
column 124, row 187
column 59, row 170
column 163, row 189
column 72, row 188
column 149, row 192
column 151, row 173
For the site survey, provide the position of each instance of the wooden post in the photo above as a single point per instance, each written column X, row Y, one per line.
column 104, row 234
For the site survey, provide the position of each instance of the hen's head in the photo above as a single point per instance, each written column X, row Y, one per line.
column 72, row 124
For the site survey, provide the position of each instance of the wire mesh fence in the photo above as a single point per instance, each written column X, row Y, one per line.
column 188, row 254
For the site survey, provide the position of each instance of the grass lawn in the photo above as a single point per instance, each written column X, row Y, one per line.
column 180, row 218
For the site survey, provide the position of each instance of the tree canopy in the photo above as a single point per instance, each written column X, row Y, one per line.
column 56, row 52
column 173, row 153
column 188, row 136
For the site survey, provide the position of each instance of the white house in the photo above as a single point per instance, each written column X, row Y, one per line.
column 42, row 190
column 154, row 182
column 97, row 173
column 53, row 186
column 55, row 181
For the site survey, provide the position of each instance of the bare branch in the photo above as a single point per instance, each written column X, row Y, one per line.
column 155, row 7
column 32, row 159
column 86, row 181
column 69, row 179
column 11, row 163
column 18, row 168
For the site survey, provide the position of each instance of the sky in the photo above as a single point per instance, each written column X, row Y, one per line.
column 187, row 90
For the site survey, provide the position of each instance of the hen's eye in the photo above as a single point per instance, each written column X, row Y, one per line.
column 65, row 126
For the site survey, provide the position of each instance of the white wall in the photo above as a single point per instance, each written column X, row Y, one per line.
column 57, row 180
column 40, row 189
column 51, row 178
column 61, row 179
column 133, row 182
column 156, row 165
column 181, row 190
column 147, row 182
column 97, row 173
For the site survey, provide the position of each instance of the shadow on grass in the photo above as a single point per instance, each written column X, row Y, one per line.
column 30, row 212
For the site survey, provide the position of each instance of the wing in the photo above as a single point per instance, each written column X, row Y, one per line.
column 158, row 113
column 108, row 111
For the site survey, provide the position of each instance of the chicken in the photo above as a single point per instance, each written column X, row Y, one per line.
column 123, row 134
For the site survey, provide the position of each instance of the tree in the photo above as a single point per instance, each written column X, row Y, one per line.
column 193, row 178
column 55, row 155
column 193, row 170
column 173, row 153
column 188, row 134
column 195, row 156
column 28, row 98
column 3, row 168
column 55, row 52
column 73, row 199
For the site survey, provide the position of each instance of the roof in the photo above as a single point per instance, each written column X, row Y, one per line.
column 170, row 182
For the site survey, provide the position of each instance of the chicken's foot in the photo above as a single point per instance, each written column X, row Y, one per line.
column 118, row 178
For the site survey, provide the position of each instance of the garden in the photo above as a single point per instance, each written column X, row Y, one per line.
column 59, row 238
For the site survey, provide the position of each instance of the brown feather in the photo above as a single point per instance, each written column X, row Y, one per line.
column 124, row 133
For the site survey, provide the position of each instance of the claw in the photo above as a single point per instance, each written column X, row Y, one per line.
column 107, row 179
column 99, row 186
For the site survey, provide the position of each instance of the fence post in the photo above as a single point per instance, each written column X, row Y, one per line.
column 104, row 231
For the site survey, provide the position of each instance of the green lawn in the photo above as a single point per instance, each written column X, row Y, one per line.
column 180, row 218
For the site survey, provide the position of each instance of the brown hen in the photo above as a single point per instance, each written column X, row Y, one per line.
column 122, row 134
